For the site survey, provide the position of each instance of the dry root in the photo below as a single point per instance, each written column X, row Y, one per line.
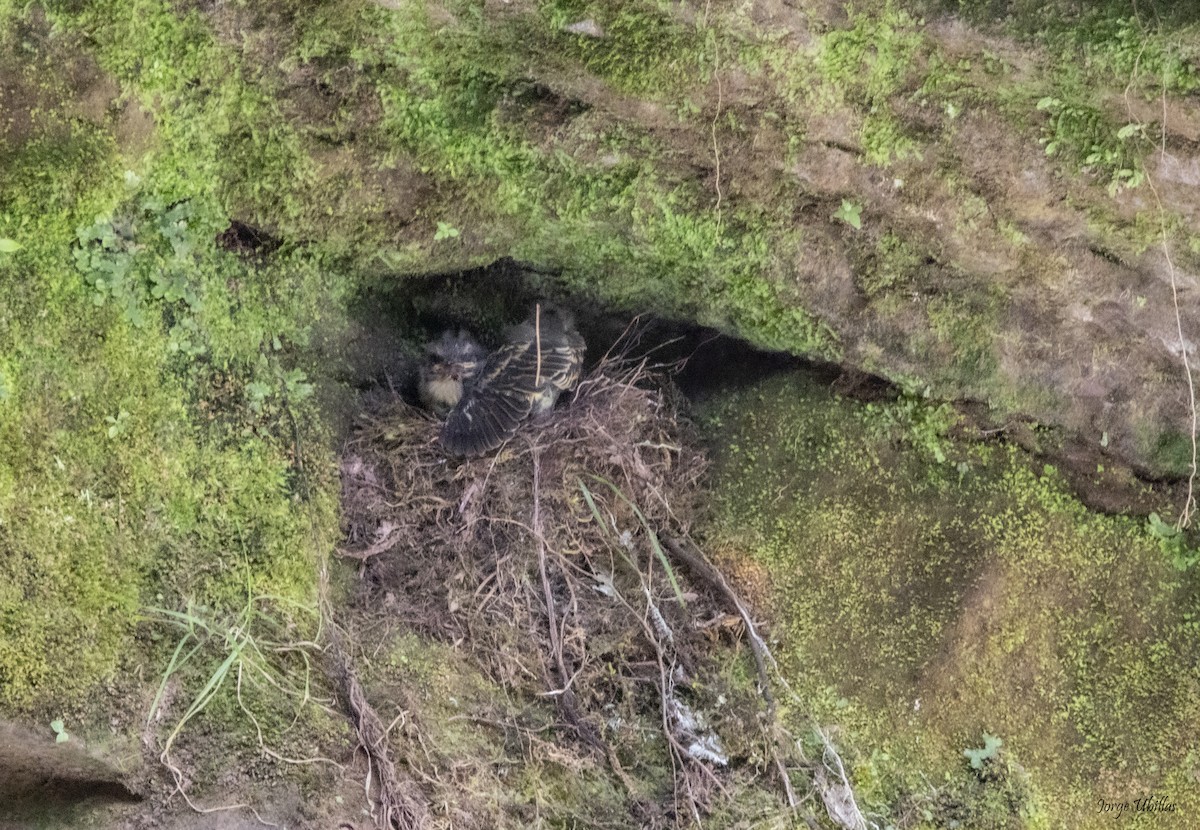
column 401, row 806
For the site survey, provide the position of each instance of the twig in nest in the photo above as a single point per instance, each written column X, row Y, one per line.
column 382, row 546
column 704, row 570
column 676, row 717
column 566, row 695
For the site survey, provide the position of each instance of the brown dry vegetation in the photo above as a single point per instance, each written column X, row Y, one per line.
column 542, row 566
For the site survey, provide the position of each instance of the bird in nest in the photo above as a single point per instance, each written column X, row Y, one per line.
column 541, row 358
column 450, row 364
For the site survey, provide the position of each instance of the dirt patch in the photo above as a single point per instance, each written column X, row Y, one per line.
column 37, row 773
column 49, row 83
column 394, row 195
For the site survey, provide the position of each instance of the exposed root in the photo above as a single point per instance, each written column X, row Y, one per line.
column 764, row 662
column 400, row 805
column 833, row 785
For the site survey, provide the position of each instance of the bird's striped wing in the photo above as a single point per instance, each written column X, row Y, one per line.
column 492, row 407
column 562, row 363
column 515, row 382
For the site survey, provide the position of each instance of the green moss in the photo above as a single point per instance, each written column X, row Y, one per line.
column 873, row 59
column 922, row 604
column 878, row 58
column 1173, row 453
column 970, row 333
column 645, row 51
column 126, row 337
column 214, row 121
column 893, row 264
column 885, row 140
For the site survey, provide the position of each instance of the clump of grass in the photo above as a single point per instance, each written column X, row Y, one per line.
column 248, row 650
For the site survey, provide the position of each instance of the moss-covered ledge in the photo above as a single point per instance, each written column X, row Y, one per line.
column 964, row 206
column 924, row 593
column 960, row 205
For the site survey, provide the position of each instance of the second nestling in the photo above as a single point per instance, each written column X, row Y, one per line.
column 450, row 363
column 541, row 358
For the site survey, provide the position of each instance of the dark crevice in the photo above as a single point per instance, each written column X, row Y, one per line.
column 706, row 363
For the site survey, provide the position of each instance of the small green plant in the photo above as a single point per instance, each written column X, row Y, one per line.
column 445, row 231
column 914, row 420
column 9, row 246
column 1173, row 542
column 105, row 258
column 850, row 213
column 989, row 752
column 258, row 394
column 274, row 387
column 148, row 252
column 60, row 732
column 118, row 425
column 1083, row 131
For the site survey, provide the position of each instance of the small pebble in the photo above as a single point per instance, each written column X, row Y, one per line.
column 587, row 28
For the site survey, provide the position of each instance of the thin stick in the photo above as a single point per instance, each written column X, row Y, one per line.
column 547, row 594
column 537, row 339
column 565, row 696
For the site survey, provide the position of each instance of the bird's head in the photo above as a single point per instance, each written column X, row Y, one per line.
column 454, row 356
column 552, row 319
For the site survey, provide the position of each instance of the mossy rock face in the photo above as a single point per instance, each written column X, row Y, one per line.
column 921, row 604
column 152, row 417
column 949, row 206
column 697, row 162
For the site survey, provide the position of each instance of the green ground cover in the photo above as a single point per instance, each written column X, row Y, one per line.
column 926, row 593
column 162, row 444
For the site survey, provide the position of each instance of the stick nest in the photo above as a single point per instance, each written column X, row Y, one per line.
column 544, row 562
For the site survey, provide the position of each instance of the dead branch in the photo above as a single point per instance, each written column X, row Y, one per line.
column 708, row 573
